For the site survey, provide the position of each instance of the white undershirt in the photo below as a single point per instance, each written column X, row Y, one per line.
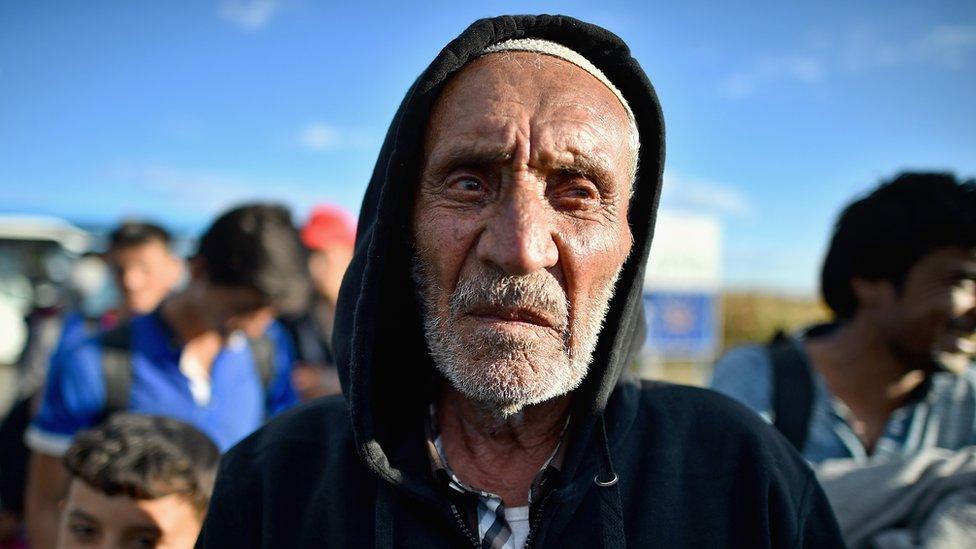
column 518, row 520
column 197, row 377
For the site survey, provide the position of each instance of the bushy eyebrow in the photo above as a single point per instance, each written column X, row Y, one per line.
column 487, row 156
column 82, row 515
column 151, row 530
column 481, row 156
column 589, row 167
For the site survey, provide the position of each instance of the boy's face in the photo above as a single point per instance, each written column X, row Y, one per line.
column 92, row 519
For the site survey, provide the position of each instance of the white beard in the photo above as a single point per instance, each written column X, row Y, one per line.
column 504, row 370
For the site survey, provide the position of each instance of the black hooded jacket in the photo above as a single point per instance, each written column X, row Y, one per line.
column 694, row 468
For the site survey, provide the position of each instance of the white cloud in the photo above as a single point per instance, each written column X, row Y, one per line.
column 863, row 49
column 950, row 45
column 699, row 195
column 857, row 51
column 249, row 15
column 772, row 69
column 319, row 136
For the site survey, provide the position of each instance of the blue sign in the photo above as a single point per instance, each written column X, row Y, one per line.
column 682, row 325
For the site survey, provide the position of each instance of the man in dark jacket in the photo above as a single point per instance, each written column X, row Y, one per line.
column 488, row 407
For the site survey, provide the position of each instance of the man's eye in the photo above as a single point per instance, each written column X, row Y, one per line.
column 467, row 184
column 576, row 194
column 82, row 532
column 145, row 542
column 466, row 189
column 581, row 192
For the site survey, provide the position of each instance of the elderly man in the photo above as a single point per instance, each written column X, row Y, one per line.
column 487, row 408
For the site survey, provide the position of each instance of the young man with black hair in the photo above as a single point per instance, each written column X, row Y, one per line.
column 883, row 400
column 893, row 374
column 210, row 355
column 146, row 269
column 137, row 481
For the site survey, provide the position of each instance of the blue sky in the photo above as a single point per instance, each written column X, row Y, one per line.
column 776, row 113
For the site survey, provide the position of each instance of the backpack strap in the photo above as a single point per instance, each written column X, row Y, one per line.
column 116, row 347
column 263, row 351
column 792, row 390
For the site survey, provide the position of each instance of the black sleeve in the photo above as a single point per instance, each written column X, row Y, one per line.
column 233, row 517
column 816, row 526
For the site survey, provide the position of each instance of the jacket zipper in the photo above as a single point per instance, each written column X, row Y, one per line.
column 534, row 525
column 464, row 528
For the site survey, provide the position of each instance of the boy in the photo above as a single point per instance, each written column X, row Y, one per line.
column 137, row 481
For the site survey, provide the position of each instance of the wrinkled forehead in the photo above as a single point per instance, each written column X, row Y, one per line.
column 520, row 83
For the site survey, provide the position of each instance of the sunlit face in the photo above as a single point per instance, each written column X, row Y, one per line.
column 934, row 314
column 145, row 274
column 92, row 519
column 520, row 225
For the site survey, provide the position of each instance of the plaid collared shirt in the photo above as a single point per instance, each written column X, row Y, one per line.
column 483, row 511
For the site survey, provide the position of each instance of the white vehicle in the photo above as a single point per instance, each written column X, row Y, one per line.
column 35, row 258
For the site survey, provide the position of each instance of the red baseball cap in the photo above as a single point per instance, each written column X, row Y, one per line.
column 328, row 226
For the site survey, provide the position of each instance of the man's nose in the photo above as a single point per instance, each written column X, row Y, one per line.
column 519, row 236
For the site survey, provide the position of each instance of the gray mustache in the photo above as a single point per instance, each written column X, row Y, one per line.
column 538, row 292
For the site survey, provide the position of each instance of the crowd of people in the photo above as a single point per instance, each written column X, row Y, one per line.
column 466, row 356
column 215, row 344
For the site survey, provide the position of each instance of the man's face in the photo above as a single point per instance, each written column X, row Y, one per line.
column 244, row 309
column 934, row 315
column 145, row 274
column 520, row 225
column 92, row 519
column 229, row 308
column 327, row 267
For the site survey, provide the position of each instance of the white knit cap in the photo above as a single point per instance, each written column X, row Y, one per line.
column 562, row 52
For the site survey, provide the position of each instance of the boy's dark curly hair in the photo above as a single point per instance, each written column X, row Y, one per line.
column 145, row 457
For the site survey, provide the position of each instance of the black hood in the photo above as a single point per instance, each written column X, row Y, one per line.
column 384, row 365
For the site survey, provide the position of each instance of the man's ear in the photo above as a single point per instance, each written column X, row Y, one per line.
column 871, row 294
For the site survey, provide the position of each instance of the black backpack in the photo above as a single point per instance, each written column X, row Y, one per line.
column 116, row 345
column 792, row 389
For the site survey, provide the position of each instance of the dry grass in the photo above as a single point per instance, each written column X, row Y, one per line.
column 754, row 317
